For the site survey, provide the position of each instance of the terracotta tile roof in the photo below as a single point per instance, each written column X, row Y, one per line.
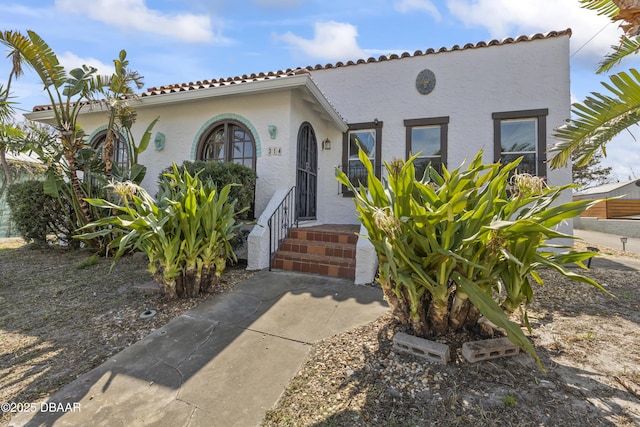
column 181, row 87
column 229, row 81
column 204, row 84
column 454, row 48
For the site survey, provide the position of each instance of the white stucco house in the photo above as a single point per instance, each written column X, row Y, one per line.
column 296, row 126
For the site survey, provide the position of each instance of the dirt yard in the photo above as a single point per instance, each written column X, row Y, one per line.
column 61, row 315
column 589, row 344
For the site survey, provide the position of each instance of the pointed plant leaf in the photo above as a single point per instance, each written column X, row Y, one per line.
column 494, row 313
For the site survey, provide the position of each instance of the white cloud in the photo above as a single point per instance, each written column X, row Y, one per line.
column 70, row 61
column 332, row 41
column 507, row 18
column 134, row 14
column 623, row 155
column 406, row 6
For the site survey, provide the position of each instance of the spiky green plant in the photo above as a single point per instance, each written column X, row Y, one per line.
column 185, row 234
column 454, row 247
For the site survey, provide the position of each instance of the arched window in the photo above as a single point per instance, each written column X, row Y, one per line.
column 120, row 149
column 228, row 141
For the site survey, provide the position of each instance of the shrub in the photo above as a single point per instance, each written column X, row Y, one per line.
column 456, row 246
column 35, row 213
column 221, row 174
column 186, row 234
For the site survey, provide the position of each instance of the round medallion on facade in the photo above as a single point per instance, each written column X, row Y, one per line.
column 426, row 81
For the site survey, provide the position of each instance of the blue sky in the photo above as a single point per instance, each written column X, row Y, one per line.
column 176, row 41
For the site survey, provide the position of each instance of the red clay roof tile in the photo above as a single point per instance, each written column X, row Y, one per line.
column 180, row 87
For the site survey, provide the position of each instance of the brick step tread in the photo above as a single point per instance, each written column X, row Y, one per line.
column 320, row 243
column 318, row 259
column 322, row 236
column 342, row 250
column 314, row 267
column 336, row 228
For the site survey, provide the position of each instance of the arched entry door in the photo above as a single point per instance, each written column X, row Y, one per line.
column 307, row 168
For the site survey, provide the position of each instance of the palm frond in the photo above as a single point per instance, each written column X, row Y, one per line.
column 6, row 108
column 628, row 46
column 603, row 7
column 36, row 53
column 598, row 119
column 45, row 60
column 80, row 81
column 8, row 132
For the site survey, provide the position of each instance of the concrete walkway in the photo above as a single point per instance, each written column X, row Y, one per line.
column 612, row 241
column 223, row 363
column 609, row 240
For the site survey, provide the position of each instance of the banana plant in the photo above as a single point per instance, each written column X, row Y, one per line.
column 119, row 90
column 451, row 246
column 66, row 92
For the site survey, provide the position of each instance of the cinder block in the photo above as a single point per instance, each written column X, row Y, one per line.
column 420, row 347
column 476, row 351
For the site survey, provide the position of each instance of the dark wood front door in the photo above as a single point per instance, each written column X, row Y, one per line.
column 307, row 168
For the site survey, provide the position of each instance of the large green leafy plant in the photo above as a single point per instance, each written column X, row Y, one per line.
column 66, row 92
column 35, row 214
column 72, row 161
column 186, row 233
column 461, row 249
column 221, row 174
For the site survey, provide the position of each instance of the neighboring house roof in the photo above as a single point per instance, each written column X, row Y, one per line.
column 606, row 188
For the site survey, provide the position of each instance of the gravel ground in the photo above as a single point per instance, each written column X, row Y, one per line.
column 589, row 344
column 58, row 320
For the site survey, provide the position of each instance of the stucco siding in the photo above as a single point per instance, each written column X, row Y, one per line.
column 182, row 123
column 332, row 207
column 471, row 85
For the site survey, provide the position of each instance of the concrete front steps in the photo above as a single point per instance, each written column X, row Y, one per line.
column 329, row 250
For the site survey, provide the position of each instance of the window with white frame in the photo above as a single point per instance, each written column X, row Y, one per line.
column 522, row 134
column 428, row 139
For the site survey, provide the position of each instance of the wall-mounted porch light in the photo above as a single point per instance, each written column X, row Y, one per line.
column 326, row 144
column 272, row 131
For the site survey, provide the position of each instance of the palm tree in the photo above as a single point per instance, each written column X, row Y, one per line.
column 66, row 91
column 602, row 116
column 6, row 112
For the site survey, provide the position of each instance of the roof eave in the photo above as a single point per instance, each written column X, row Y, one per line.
column 322, row 100
column 245, row 88
column 41, row 116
